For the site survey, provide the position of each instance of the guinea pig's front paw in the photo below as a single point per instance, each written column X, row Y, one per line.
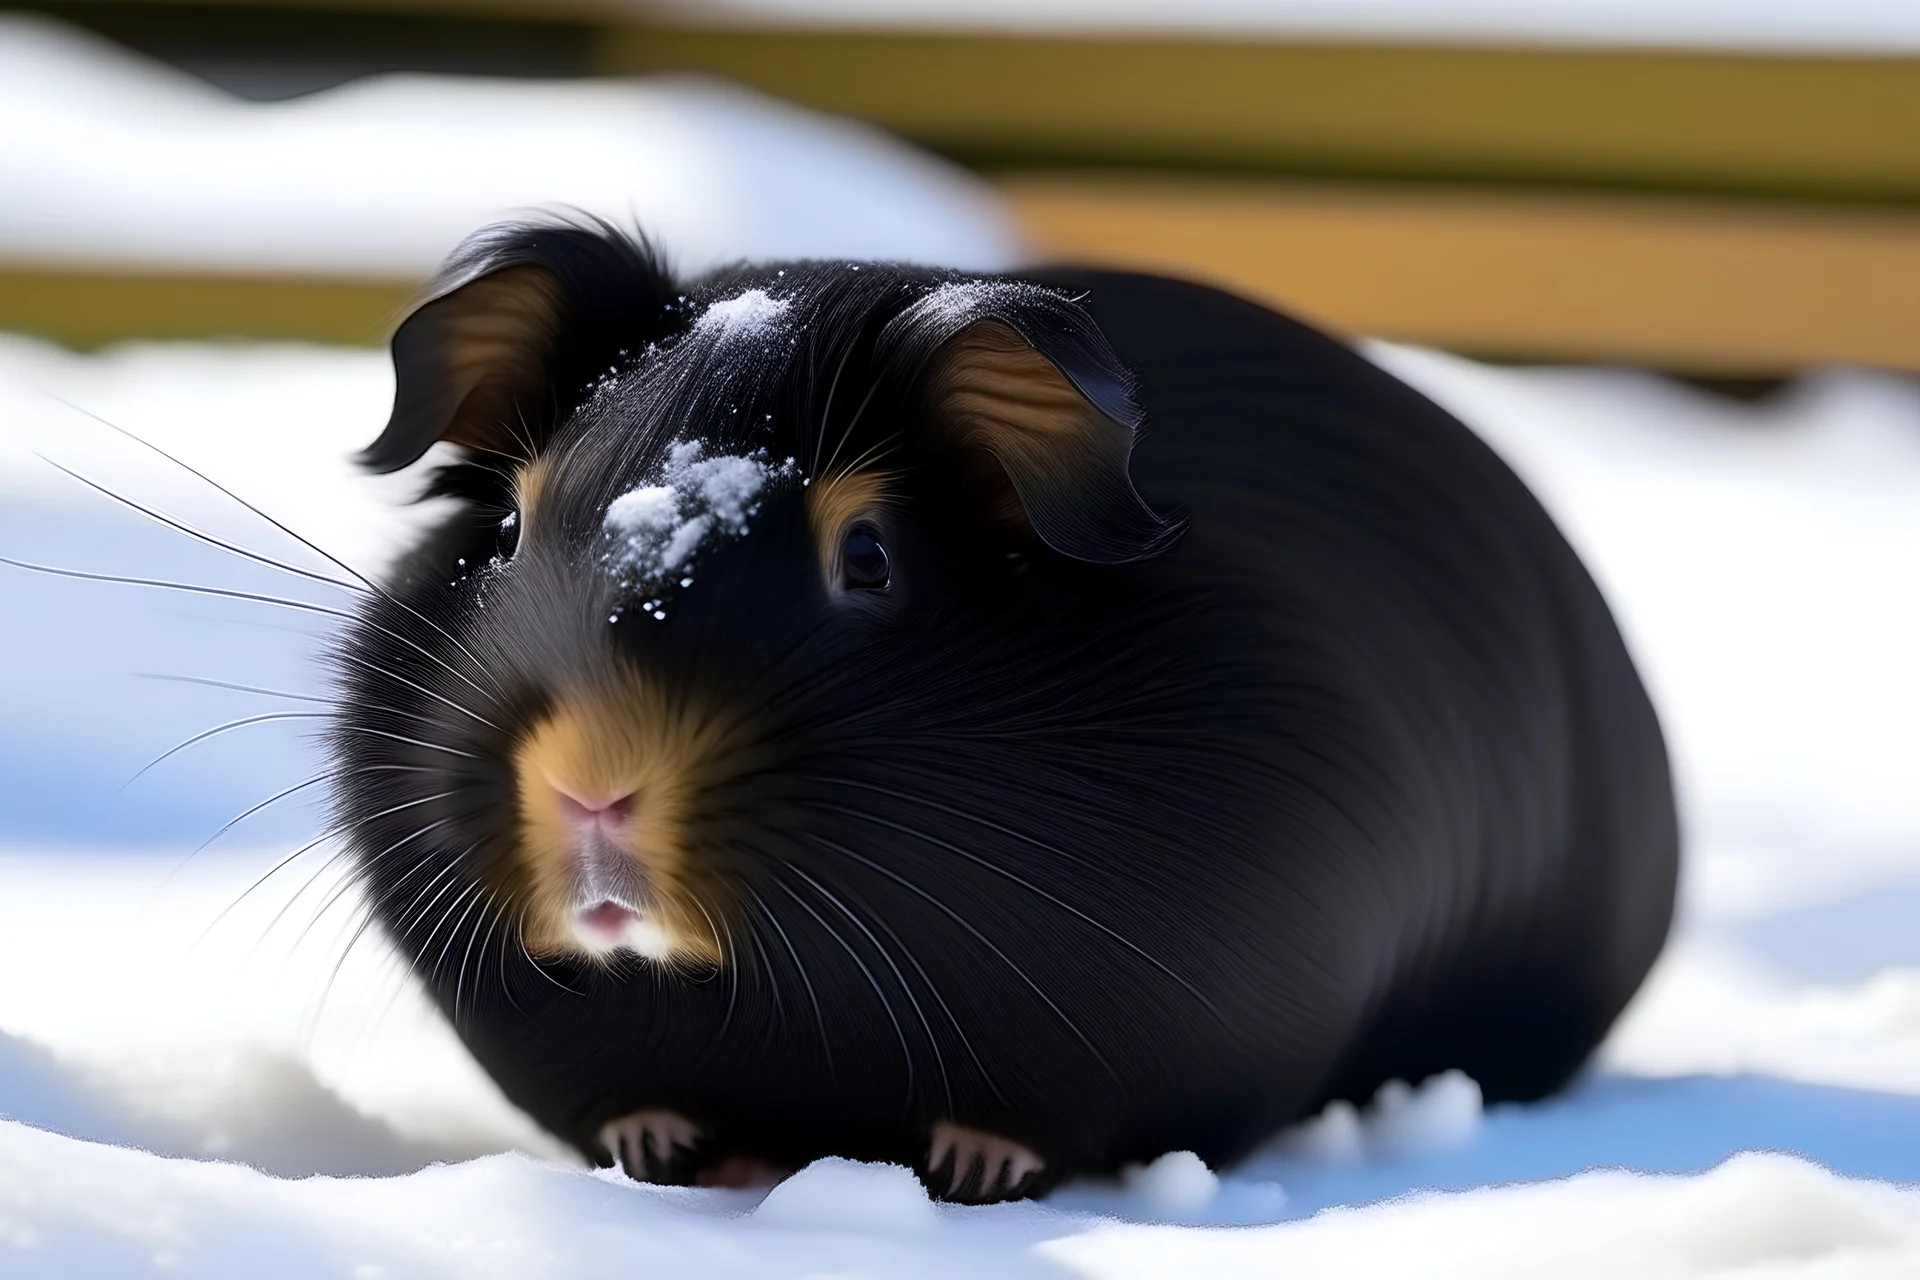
column 974, row 1167
column 653, row 1145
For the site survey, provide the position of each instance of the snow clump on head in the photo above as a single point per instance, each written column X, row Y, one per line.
column 745, row 315
column 657, row 528
column 964, row 299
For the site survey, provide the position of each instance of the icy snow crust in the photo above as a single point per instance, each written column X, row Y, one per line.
column 102, row 1211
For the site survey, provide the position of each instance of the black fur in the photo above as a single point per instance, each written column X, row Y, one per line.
column 1112, row 841
column 615, row 297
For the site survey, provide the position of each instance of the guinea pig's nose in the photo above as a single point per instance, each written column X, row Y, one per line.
column 583, row 807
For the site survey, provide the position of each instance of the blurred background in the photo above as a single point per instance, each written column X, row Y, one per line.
column 1724, row 190
column 1663, row 254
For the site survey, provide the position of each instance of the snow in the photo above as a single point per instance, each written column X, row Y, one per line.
column 108, row 160
column 1855, row 26
column 749, row 314
column 849, row 1195
column 657, row 528
column 1176, row 1186
column 1757, row 1215
column 962, row 299
column 178, row 1075
column 78, row 1209
column 1437, row 1114
column 650, row 513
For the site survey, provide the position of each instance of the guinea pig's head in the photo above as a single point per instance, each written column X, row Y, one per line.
column 728, row 561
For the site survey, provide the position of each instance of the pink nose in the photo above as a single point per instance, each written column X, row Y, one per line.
column 595, row 808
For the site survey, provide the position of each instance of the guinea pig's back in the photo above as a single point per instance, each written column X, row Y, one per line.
column 1527, row 835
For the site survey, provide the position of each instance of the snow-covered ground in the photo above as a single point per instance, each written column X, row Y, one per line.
column 152, row 1048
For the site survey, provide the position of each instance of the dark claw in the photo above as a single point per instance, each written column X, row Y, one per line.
column 966, row 1188
column 941, row 1179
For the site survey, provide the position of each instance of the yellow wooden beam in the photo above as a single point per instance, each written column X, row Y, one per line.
column 1773, row 123
column 1694, row 285
column 1828, row 127
column 87, row 306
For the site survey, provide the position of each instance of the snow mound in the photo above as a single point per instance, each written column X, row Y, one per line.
column 1178, row 1185
column 848, row 1195
column 1403, row 1121
column 255, row 1107
column 110, row 160
column 1708, row 1008
column 1441, row 1113
column 1754, row 1215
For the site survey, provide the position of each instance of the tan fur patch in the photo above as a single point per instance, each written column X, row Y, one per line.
column 529, row 480
column 497, row 340
column 836, row 501
column 1001, row 396
column 992, row 381
column 629, row 738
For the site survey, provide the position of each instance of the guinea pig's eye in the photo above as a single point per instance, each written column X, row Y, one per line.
column 863, row 560
column 506, row 537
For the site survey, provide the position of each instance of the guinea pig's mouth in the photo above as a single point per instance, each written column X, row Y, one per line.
column 613, row 909
column 606, row 925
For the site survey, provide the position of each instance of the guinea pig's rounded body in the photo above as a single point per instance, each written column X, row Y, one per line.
column 953, row 803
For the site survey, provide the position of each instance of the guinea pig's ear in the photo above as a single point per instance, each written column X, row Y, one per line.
column 1027, row 397
column 518, row 325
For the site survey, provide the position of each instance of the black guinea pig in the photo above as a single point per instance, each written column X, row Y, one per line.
column 1007, row 727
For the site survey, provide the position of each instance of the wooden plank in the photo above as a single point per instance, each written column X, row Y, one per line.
column 1700, row 286
column 1828, row 126
column 1820, row 126
column 1833, row 126
column 87, row 306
